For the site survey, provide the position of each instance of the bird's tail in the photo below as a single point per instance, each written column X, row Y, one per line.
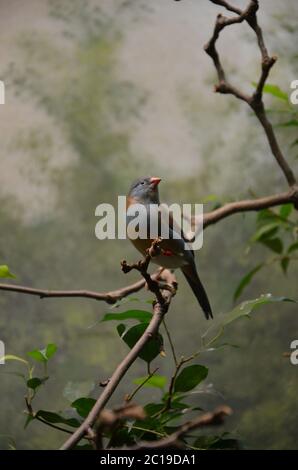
column 197, row 287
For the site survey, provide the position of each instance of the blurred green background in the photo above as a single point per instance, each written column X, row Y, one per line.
column 99, row 93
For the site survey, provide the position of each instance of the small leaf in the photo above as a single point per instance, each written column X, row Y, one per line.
column 158, row 381
column 286, row 210
column 50, row 350
column 246, row 280
column 266, row 231
column 275, row 91
column 38, row 355
column 216, row 442
column 121, row 328
column 42, row 355
column 190, row 377
column 215, row 332
column 83, row 406
column 285, row 264
column 274, row 244
column 140, row 315
column 55, row 418
column 83, row 447
column 151, row 349
column 123, row 301
column 4, row 272
column 153, row 408
column 266, row 215
column 293, row 247
column 245, row 308
column 34, row 383
column 29, row 418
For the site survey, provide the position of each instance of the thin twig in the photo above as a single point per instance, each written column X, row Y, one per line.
column 110, row 297
column 54, row 426
column 170, row 341
column 132, row 395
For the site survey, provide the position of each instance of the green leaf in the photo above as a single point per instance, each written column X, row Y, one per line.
column 43, row 355
column 293, row 247
column 121, row 328
column 158, row 381
column 153, row 408
column 123, row 301
column 140, row 315
column 246, row 280
column 50, row 350
column 216, row 442
column 55, row 418
column 151, row 349
column 285, row 264
column 286, row 210
column 83, row 406
column 215, row 332
column 291, row 123
column 34, row 383
column 4, row 272
column 274, row 244
column 190, row 377
column 38, row 355
column 266, row 215
column 275, row 91
column 29, row 418
column 266, row 231
column 294, row 143
column 83, row 447
column 245, row 308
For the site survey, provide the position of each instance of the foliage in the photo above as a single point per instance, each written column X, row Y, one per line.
column 276, row 229
column 62, row 252
column 162, row 417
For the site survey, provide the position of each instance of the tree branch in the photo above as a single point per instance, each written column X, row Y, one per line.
column 109, row 297
column 160, row 308
column 226, row 210
column 255, row 101
column 175, row 440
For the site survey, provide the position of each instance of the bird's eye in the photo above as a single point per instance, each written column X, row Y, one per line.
column 142, row 182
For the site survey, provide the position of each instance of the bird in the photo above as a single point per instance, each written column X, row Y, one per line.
column 173, row 250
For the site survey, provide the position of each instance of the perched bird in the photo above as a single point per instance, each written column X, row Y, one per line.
column 173, row 254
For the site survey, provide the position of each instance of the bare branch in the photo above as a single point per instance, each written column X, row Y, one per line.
column 255, row 101
column 109, row 297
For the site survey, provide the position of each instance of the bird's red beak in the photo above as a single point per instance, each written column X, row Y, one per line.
column 155, row 181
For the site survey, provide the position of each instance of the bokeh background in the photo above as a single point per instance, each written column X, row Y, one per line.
column 101, row 92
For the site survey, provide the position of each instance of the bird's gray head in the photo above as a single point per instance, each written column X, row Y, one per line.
column 145, row 190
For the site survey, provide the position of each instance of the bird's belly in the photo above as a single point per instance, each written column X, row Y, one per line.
column 170, row 262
